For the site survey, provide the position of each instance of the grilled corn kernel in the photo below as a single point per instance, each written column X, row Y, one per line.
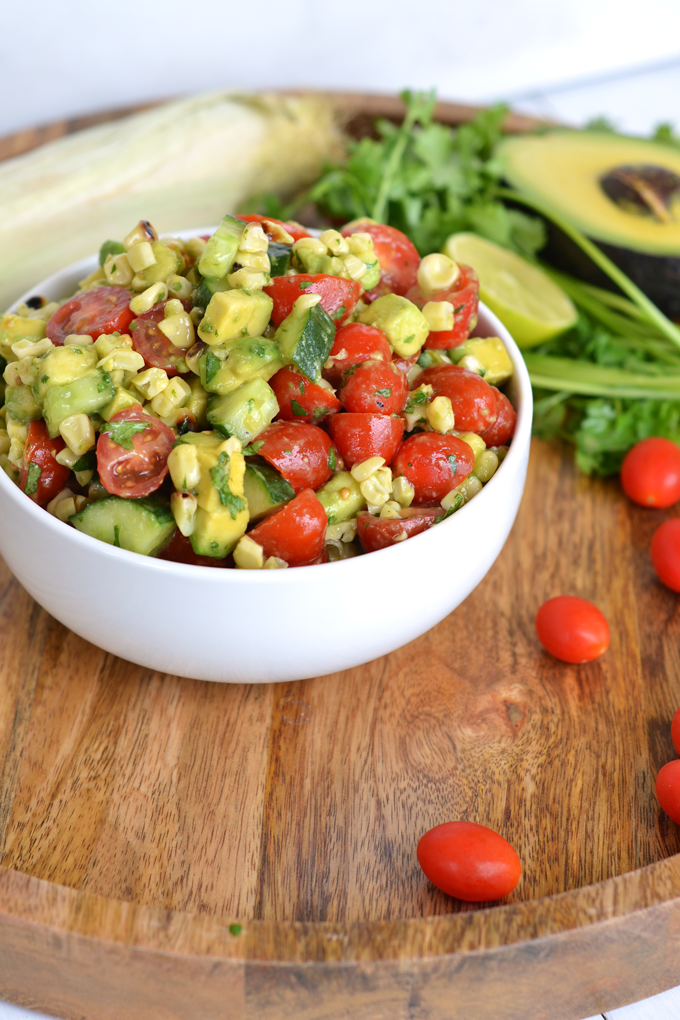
column 231, row 446
column 360, row 244
column 486, row 465
column 122, row 360
column 84, row 477
column 256, row 260
column 401, row 537
column 454, row 499
column 95, row 278
column 343, row 531
column 77, row 340
column 253, row 239
column 142, row 232
column 439, row 414
column 306, row 301
column 151, row 382
column 196, row 314
column 194, row 247
column 141, row 256
column 148, row 298
column 312, row 245
column 67, row 507
column 469, row 488
column 12, row 375
column 184, row 467
column 472, row 364
column 174, row 395
column 335, row 242
column 16, row 452
column 277, row 232
column 275, row 563
column 437, row 272
column 67, row 458
column 403, row 491
column 360, row 472
column 117, row 270
column 439, row 315
column 248, row 554
column 472, row 439
column 16, row 430
column 108, row 342
column 59, row 498
column 354, row 267
column 78, row 433
column 390, row 510
column 173, row 307
column 383, row 476
column 184, row 506
column 4, row 442
column 374, row 493
column 179, row 330
column 179, row 286
column 31, row 348
column 249, row 279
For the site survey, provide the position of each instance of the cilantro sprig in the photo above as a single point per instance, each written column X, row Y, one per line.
column 121, row 432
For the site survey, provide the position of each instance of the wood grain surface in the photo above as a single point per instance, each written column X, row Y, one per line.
column 143, row 816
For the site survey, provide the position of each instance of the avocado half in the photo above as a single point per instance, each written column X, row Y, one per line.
column 623, row 193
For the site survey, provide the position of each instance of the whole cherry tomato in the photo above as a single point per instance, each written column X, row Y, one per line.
column 503, row 429
column 469, row 861
column 152, row 344
column 675, row 731
column 355, row 343
column 464, row 296
column 398, row 257
column 650, row 473
column 296, row 230
column 338, row 296
column 96, row 311
column 302, row 453
column 41, row 476
column 374, row 387
column 296, row 533
column 434, row 465
column 666, row 553
column 474, row 402
column 301, row 400
column 380, row 532
column 668, row 789
column 572, row 629
column 132, row 453
column 360, row 436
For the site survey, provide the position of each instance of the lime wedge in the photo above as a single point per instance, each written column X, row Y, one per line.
column 524, row 298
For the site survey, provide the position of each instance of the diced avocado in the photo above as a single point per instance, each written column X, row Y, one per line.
column 305, row 337
column 16, row 327
column 400, row 320
column 265, row 489
column 219, row 253
column 232, row 314
column 341, row 507
column 21, row 404
column 222, row 515
column 63, row 365
column 122, row 399
column 197, row 402
column 110, row 248
column 205, row 290
column 491, row 354
column 85, row 395
column 225, row 370
column 245, row 412
column 279, row 258
column 167, row 262
column 140, row 525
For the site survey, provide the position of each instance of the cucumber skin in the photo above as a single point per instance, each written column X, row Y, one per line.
column 309, row 344
column 279, row 258
column 228, row 415
column 96, row 391
column 153, row 521
column 265, row 489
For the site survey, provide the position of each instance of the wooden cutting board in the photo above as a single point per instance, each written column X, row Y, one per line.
column 179, row 850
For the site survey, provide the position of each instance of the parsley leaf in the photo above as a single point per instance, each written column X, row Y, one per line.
column 220, row 479
column 121, row 432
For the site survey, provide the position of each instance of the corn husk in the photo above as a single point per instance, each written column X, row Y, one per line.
column 179, row 165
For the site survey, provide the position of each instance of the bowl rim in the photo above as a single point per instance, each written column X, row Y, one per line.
column 512, row 461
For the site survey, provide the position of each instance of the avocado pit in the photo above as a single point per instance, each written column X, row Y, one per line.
column 644, row 190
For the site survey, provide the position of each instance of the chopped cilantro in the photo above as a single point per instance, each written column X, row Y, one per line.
column 452, row 509
column 386, row 392
column 87, row 462
column 212, row 366
column 304, row 284
column 253, row 448
column 453, row 461
column 288, row 451
column 220, row 479
column 116, row 535
column 235, row 929
column 319, row 412
column 297, row 409
column 339, row 312
column 332, row 459
column 409, row 339
column 121, row 432
column 104, row 383
column 458, row 309
column 32, row 479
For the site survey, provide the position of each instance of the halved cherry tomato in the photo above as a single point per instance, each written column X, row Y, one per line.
column 404, row 364
column 301, row 400
column 379, row 532
column 668, row 789
column 302, row 453
column 355, row 343
column 666, row 553
column 296, row 533
column 296, row 230
column 360, row 436
column 469, row 861
column 338, row 296
column 650, row 473
column 375, row 386
column 473, row 401
column 152, row 344
column 464, row 296
column 572, row 629
column 179, row 550
column 96, row 311
column 132, row 455
column 398, row 257
column 503, row 429
column 675, row 731
column 434, row 465
column 41, row 476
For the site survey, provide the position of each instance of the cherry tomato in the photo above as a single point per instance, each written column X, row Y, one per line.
column 379, row 532
column 469, row 861
column 179, row 550
column 338, row 296
column 464, row 296
column 675, row 731
column 375, row 386
column 650, row 473
column 666, row 553
column 152, row 344
column 296, row 533
column 668, row 789
column 572, row 629
column 360, row 436
column 474, row 402
column 302, row 453
column 503, row 429
column 96, row 311
column 434, row 465
column 404, row 364
column 301, row 400
column 133, row 462
column 296, row 230
column 355, row 343
column 398, row 257
column 46, row 478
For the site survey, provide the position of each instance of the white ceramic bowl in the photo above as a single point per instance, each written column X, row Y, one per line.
column 241, row 626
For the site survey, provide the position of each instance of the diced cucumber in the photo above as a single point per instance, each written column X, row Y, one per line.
column 86, row 395
column 265, row 489
column 245, row 412
column 140, row 525
column 305, row 338
column 233, row 314
column 341, row 507
column 219, row 253
column 225, row 370
column 279, row 257
column 205, row 290
column 21, row 404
